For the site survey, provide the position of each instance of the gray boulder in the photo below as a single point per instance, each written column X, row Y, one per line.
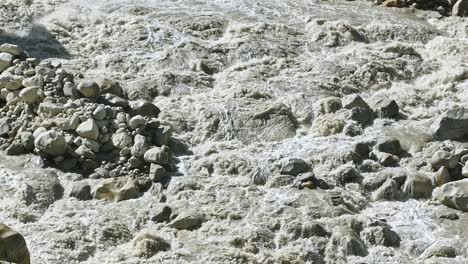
column 10, row 81
column 454, row 194
column 187, row 220
column 451, row 125
column 5, row 60
column 88, row 129
column 11, row 48
column 157, row 155
column 89, row 89
column 51, row 142
column 293, row 166
column 144, row 108
column 13, row 247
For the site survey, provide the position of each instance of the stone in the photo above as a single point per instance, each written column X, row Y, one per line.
column 33, row 81
column 187, row 220
column 439, row 249
column 381, row 235
column 89, row 89
column 104, row 173
column 418, row 186
column 329, row 105
column 16, row 148
column 144, row 108
column 389, row 190
column 13, row 247
column 81, row 190
column 88, row 129
column 69, row 90
column 347, row 174
column 391, row 146
column 344, row 242
column 114, row 100
column 363, row 116
column 465, row 170
column 5, row 61
column 386, row 108
column 110, row 86
column 161, row 214
column 460, row 8
column 11, row 48
column 311, row 229
column 4, row 127
column 136, row 121
column 157, row 155
column 51, row 142
column 441, row 177
column 353, row 101
column 393, row 3
column 443, row 158
column 121, row 140
column 85, row 152
column 30, row 94
column 157, row 172
column 116, row 189
column 99, row 113
column 40, row 188
column 10, row 81
column 147, row 245
column 454, row 195
column 451, row 125
column 162, row 135
column 293, row 166
column 27, row 140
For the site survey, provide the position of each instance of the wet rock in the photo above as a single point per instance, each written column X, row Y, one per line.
column 161, row 214
column 13, row 246
column 329, row 105
column 157, row 172
column 51, row 142
column 353, row 101
column 363, row 116
column 89, row 89
column 347, row 174
column 454, row 195
column 147, row 245
column 452, row 125
column 114, row 100
column 5, row 60
column 187, row 220
column 11, row 48
column 445, row 159
column 439, row 249
column 313, row 229
column 344, row 242
column 144, row 108
column 388, row 191
column 393, row 3
column 386, row 108
column 81, row 190
column 391, row 146
column 442, row 176
column 116, row 189
column 381, row 235
column 293, row 166
column 40, row 187
column 30, row 94
column 157, row 155
column 88, row 129
column 418, row 186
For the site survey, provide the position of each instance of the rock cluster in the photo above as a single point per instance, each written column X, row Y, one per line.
column 82, row 126
column 445, row 8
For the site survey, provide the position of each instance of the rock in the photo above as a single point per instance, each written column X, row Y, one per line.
column 136, row 121
column 30, row 94
column 157, row 155
column 418, row 186
column 4, row 127
column 442, row 176
column 81, row 190
column 147, row 245
column 353, row 101
column 393, row 3
column 27, row 140
column 187, row 220
column 116, row 189
column 311, row 229
column 114, row 100
column 460, row 8
column 439, row 249
column 386, row 108
column 88, row 129
column 388, row 191
column 16, row 148
column 293, row 166
column 13, row 246
column 89, row 89
column 454, row 195
column 162, row 135
column 157, row 172
column 344, row 242
column 69, row 90
column 381, row 235
column 85, row 152
column 465, row 170
column 40, row 188
column 10, row 81
column 11, row 48
column 144, row 108
column 391, row 146
column 363, row 116
column 110, row 86
column 329, row 105
column 121, row 140
column 347, row 174
column 161, row 214
column 33, row 81
column 5, row 61
column 451, row 125
column 99, row 113
column 51, row 142
column 445, row 159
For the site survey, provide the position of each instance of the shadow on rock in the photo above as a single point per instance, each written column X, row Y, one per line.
column 38, row 42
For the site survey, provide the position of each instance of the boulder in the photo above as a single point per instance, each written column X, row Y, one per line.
column 157, row 172
column 116, row 189
column 89, row 89
column 418, row 186
column 442, row 176
column 144, row 108
column 121, row 140
column 88, row 129
column 147, row 245
column 81, row 190
column 454, row 194
column 439, row 249
column 187, row 220
column 30, row 94
column 329, row 105
column 363, row 116
column 444, row 158
column 11, row 48
column 353, row 101
column 4, row 127
column 51, row 142
column 381, row 235
column 161, row 214
column 111, row 87
column 391, row 146
column 157, row 155
column 13, row 247
column 293, row 166
column 10, row 81
column 5, row 61
column 140, row 146
column 451, row 125
column 386, row 108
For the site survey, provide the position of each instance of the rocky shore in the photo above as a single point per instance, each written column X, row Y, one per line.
column 241, row 132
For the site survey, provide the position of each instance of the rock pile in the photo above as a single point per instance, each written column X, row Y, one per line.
column 444, row 7
column 86, row 126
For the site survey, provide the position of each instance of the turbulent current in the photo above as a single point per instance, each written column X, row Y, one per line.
column 251, row 89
